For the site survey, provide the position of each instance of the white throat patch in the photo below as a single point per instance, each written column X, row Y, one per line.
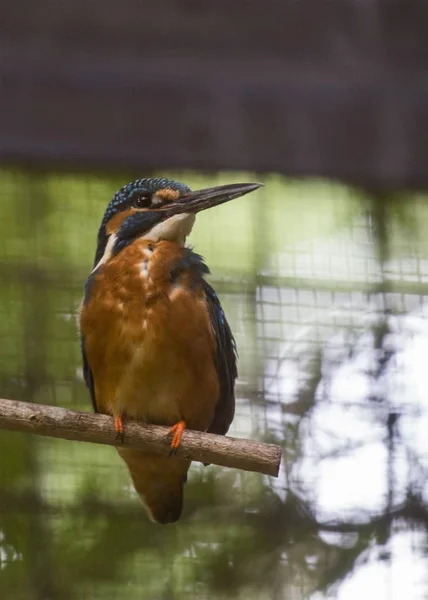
column 174, row 229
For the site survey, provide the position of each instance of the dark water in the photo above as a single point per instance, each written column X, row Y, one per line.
column 326, row 293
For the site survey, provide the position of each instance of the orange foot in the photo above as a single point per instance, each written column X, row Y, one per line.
column 177, row 432
column 119, row 428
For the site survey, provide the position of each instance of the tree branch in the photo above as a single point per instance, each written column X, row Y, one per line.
column 57, row 422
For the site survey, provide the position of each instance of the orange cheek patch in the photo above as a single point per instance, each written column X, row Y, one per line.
column 116, row 221
column 168, row 195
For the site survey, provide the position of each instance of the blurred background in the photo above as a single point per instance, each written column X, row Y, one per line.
column 323, row 274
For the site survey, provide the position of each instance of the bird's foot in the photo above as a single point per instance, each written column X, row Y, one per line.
column 177, row 432
column 119, row 428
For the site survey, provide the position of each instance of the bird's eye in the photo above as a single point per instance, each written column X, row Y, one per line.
column 142, row 201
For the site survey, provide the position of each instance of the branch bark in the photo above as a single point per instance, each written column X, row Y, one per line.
column 66, row 424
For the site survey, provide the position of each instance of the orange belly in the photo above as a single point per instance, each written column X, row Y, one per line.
column 149, row 342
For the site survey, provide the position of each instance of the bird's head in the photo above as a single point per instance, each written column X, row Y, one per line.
column 157, row 209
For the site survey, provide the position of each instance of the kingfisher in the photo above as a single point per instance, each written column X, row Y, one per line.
column 156, row 345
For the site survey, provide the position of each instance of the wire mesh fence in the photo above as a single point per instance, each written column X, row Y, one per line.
column 326, row 291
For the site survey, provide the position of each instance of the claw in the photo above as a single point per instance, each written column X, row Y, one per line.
column 177, row 432
column 119, row 428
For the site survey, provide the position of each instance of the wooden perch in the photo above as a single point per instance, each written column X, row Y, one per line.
column 57, row 422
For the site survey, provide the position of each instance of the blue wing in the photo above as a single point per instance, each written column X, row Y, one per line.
column 226, row 358
column 87, row 374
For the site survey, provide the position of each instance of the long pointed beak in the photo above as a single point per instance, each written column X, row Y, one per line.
column 194, row 202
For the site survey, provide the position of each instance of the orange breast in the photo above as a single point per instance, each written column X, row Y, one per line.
column 149, row 341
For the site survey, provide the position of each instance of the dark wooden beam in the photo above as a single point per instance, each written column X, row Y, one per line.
column 310, row 87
